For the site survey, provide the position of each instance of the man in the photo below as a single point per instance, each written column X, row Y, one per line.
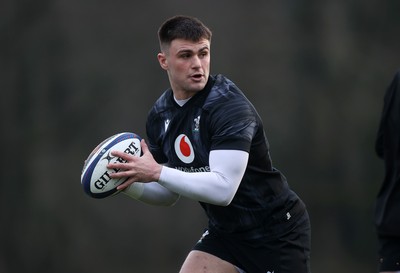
column 212, row 145
column 387, row 210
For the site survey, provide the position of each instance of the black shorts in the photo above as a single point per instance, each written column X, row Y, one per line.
column 287, row 254
column 389, row 253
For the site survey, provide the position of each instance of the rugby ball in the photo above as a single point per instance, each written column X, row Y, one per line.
column 95, row 177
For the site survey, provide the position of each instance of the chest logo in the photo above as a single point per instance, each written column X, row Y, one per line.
column 166, row 123
column 196, row 124
column 184, row 149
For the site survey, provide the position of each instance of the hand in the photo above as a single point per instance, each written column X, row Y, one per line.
column 136, row 169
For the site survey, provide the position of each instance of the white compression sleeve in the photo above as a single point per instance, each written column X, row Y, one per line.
column 216, row 187
column 151, row 193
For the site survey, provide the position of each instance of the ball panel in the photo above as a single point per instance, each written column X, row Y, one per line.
column 95, row 152
column 95, row 176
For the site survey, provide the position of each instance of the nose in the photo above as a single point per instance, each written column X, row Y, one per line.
column 196, row 62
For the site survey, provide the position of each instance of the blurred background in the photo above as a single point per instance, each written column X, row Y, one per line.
column 75, row 72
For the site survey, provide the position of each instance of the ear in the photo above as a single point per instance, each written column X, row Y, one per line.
column 162, row 59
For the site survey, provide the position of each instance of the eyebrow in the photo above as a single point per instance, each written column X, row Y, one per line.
column 190, row 51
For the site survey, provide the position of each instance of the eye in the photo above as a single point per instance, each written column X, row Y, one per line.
column 186, row 55
column 203, row 54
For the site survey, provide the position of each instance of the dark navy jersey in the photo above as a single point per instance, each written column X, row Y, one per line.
column 387, row 207
column 220, row 117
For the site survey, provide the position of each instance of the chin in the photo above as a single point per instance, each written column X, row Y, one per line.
column 198, row 86
column 195, row 90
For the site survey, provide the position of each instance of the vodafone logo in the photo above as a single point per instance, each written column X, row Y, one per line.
column 184, row 149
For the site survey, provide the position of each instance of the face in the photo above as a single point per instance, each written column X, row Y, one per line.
column 188, row 66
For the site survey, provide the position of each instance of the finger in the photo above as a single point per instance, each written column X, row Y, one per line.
column 116, row 166
column 145, row 148
column 120, row 172
column 126, row 184
column 122, row 155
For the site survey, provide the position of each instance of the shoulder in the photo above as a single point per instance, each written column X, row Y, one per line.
column 223, row 91
column 230, row 115
column 227, row 98
column 163, row 103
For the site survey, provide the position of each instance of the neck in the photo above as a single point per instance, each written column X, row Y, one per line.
column 181, row 102
column 183, row 95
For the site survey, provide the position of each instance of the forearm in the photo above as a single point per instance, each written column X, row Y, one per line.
column 216, row 187
column 203, row 187
column 151, row 193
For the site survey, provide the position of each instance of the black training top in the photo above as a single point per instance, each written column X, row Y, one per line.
column 387, row 210
column 221, row 117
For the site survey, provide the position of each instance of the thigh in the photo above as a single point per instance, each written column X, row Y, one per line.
column 202, row 262
column 294, row 253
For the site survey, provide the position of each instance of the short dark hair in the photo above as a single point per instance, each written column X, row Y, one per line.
column 182, row 27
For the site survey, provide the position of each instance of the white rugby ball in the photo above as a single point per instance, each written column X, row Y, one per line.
column 95, row 176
